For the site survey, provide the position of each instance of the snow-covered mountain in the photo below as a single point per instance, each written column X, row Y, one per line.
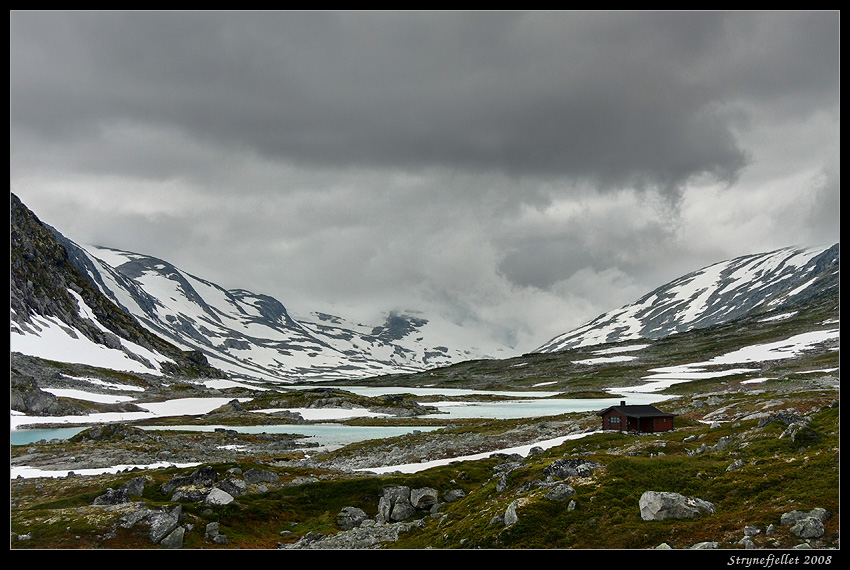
column 57, row 314
column 715, row 294
column 253, row 335
column 244, row 334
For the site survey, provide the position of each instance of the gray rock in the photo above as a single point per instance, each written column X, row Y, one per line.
column 174, row 538
column 568, row 467
column 234, row 487
column 792, row 517
column 453, row 495
column 164, row 522
column 190, row 494
column 511, row 516
column 218, row 497
column 783, row 418
column 394, row 504
column 737, row 464
column 809, row 527
column 202, row 477
column 351, row 517
column 660, row 505
column 135, row 486
column 704, row 546
column 304, row 480
column 560, row 492
column 259, row 476
column 799, row 432
column 368, row 535
column 112, row 497
column 213, row 533
column 423, row 498
column 751, row 530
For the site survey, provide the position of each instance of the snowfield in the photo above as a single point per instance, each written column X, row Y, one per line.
column 661, row 378
column 779, row 350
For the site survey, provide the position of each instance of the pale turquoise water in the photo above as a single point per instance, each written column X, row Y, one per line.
column 334, row 435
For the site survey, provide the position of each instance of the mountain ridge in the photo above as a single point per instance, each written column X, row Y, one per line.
column 246, row 335
column 715, row 294
column 253, row 336
column 49, row 292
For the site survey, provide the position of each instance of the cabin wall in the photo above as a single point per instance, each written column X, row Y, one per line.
column 614, row 420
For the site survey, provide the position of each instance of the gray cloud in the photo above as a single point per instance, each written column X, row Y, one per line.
column 621, row 99
column 465, row 159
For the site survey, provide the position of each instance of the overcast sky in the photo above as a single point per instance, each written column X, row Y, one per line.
column 518, row 171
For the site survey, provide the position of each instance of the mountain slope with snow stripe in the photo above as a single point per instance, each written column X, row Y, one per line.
column 715, row 294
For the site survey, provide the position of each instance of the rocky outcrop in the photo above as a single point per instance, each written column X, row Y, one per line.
column 44, row 281
column 25, row 396
column 806, row 524
column 351, row 517
column 571, row 467
column 395, row 504
column 660, row 505
column 370, row 534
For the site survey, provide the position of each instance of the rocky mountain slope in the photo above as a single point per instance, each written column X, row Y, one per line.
column 129, row 311
column 720, row 293
column 57, row 312
column 245, row 334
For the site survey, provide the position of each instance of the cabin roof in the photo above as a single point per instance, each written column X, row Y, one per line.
column 638, row 411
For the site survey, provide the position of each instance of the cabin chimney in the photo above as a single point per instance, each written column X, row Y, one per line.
column 622, row 402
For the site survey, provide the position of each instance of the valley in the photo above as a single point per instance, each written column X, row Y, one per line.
column 721, row 419
column 190, row 416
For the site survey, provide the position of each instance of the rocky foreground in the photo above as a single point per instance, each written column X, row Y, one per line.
column 231, row 479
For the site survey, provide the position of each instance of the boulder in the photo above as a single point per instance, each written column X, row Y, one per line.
column 213, row 533
column 511, row 515
column 660, row 505
column 112, row 497
column 809, row 527
column 350, row 517
column 453, row 495
column 394, row 504
column 560, row 492
column 800, row 433
column 423, row 498
column 234, row 487
column 135, row 486
column 174, row 538
column 218, row 497
column 259, row 476
column 567, row 467
column 190, row 494
column 806, row 524
column 792, row 517
column 201, row 477
column 163, row 523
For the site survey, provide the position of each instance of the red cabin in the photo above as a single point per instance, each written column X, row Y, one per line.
column 640, row 418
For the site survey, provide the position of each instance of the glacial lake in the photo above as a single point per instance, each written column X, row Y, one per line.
column 332, row 435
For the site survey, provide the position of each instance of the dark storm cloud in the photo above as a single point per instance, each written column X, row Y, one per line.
column 526, row 169
column 619, row 99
